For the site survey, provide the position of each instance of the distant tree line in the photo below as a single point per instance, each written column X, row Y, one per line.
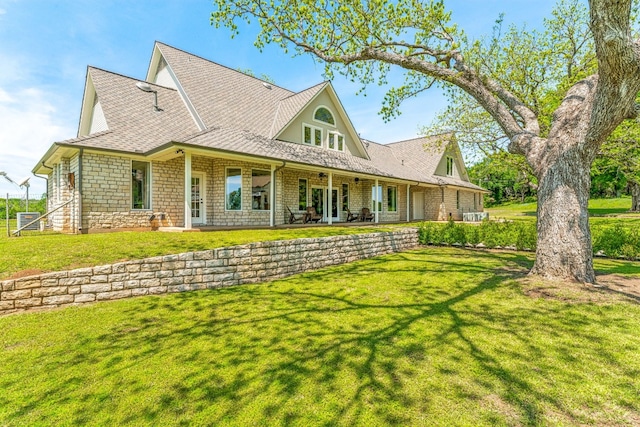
column 509, row 179
column 19, row 205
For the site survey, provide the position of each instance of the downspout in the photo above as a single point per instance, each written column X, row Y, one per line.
column 272, row 219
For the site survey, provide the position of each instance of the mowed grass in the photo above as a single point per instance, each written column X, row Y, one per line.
column 601, row 212
column 34, row 252
column 436, row 336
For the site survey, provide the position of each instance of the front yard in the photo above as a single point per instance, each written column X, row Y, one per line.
column 436, row 336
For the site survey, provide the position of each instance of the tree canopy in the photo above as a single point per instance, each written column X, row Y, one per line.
column 556, row 109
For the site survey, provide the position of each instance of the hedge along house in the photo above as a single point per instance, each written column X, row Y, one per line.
column 199, row 144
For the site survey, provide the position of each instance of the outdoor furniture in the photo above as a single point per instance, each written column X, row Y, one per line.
column 293, row 218
column 351, row 216
column 312, row 215
column 366, row 215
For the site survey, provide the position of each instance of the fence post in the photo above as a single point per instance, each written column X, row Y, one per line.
column 7, row 206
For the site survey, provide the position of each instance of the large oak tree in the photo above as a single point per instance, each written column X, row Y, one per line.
column 365, row 39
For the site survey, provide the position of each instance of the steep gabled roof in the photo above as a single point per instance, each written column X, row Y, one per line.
column 289, row 107
column 424, row 154
column 134, row 124
column 222, row 96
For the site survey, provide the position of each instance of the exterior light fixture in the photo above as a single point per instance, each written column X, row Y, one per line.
column 321, row 175
column 144, row 86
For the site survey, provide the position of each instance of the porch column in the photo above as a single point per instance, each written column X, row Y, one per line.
column 330, row 199
column 187, row 191
column 375, row 202
column 408, row 200
column 272, row 197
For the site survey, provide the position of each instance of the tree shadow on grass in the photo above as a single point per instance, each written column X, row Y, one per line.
column 386, row 341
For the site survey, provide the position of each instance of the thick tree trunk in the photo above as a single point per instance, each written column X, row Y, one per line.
column 564, row 248
column 635, row 196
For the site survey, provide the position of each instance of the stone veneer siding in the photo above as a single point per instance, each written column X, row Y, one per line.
column 250, row 263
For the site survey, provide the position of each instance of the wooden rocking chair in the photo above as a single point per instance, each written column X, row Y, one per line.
column 351, row 216
column 292, row 217
column 366, row 215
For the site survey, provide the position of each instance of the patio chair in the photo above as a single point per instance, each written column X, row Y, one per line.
column 351, row 216
column 366, row 215
column 293, row 218
column 312, row 215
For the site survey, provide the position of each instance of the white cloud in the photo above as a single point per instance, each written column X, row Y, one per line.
column 30, row 125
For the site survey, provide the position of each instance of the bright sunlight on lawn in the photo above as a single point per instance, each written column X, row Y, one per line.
column 436, row 336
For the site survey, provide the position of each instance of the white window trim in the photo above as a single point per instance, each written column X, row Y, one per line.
column 226, row 175
column 149, row 182
column 348, row 195
column 306, row 202
column 336, row 134
column 252, row 208
column 320, row 121
column 396, row 197
column 313, row 128
column 453, row 165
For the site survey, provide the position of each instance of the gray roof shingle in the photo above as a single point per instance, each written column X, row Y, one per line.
column 242, row 115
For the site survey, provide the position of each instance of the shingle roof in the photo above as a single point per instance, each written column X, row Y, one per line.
column 133, row 122
column 242, row 115
column 289, row 107
column 244, row 142
column 424, row 155
column 225, row 97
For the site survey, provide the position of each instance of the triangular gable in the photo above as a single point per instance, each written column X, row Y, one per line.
column 452, row 150
column 291, row 106
column 326, row 96
column 92, row 118
column 220, row 95
column 160, row 72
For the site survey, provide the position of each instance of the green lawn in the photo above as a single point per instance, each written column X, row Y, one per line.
column 51, row 252
column 601, row 211
column 436, row 336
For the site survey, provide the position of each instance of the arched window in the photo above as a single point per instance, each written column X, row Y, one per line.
column 322, row 114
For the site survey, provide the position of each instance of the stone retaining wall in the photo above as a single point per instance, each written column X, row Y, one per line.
column 250, row 263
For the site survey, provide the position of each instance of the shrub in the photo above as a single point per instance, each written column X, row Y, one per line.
column 614, row 241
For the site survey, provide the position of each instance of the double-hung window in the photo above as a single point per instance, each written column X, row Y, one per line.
column 260, row 189
column 449, row 166
column 312, row 135
column 140, row 185
column 392, row 199
column 302, row 194
column 336, row 141
column 233, row 190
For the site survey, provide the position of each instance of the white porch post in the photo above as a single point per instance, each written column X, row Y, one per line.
column 375, row 203
column 187, row 191
column 272, row 197
column 330, row 199
column 408, row 200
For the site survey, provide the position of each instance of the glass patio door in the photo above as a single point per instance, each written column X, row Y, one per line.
column 197, row 199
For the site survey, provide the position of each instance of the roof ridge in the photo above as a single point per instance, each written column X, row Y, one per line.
column 420, row 137
column 129, row 77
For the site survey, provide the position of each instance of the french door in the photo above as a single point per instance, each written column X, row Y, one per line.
column 319, row 200
column 198, row 193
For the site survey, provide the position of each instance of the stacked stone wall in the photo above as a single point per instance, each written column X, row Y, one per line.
column 250, row 263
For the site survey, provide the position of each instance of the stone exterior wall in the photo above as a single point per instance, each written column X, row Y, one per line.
column 167, row 192
column 106, row 195
column 250, row 263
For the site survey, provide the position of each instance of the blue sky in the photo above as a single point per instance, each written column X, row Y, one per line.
column 45, row 47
